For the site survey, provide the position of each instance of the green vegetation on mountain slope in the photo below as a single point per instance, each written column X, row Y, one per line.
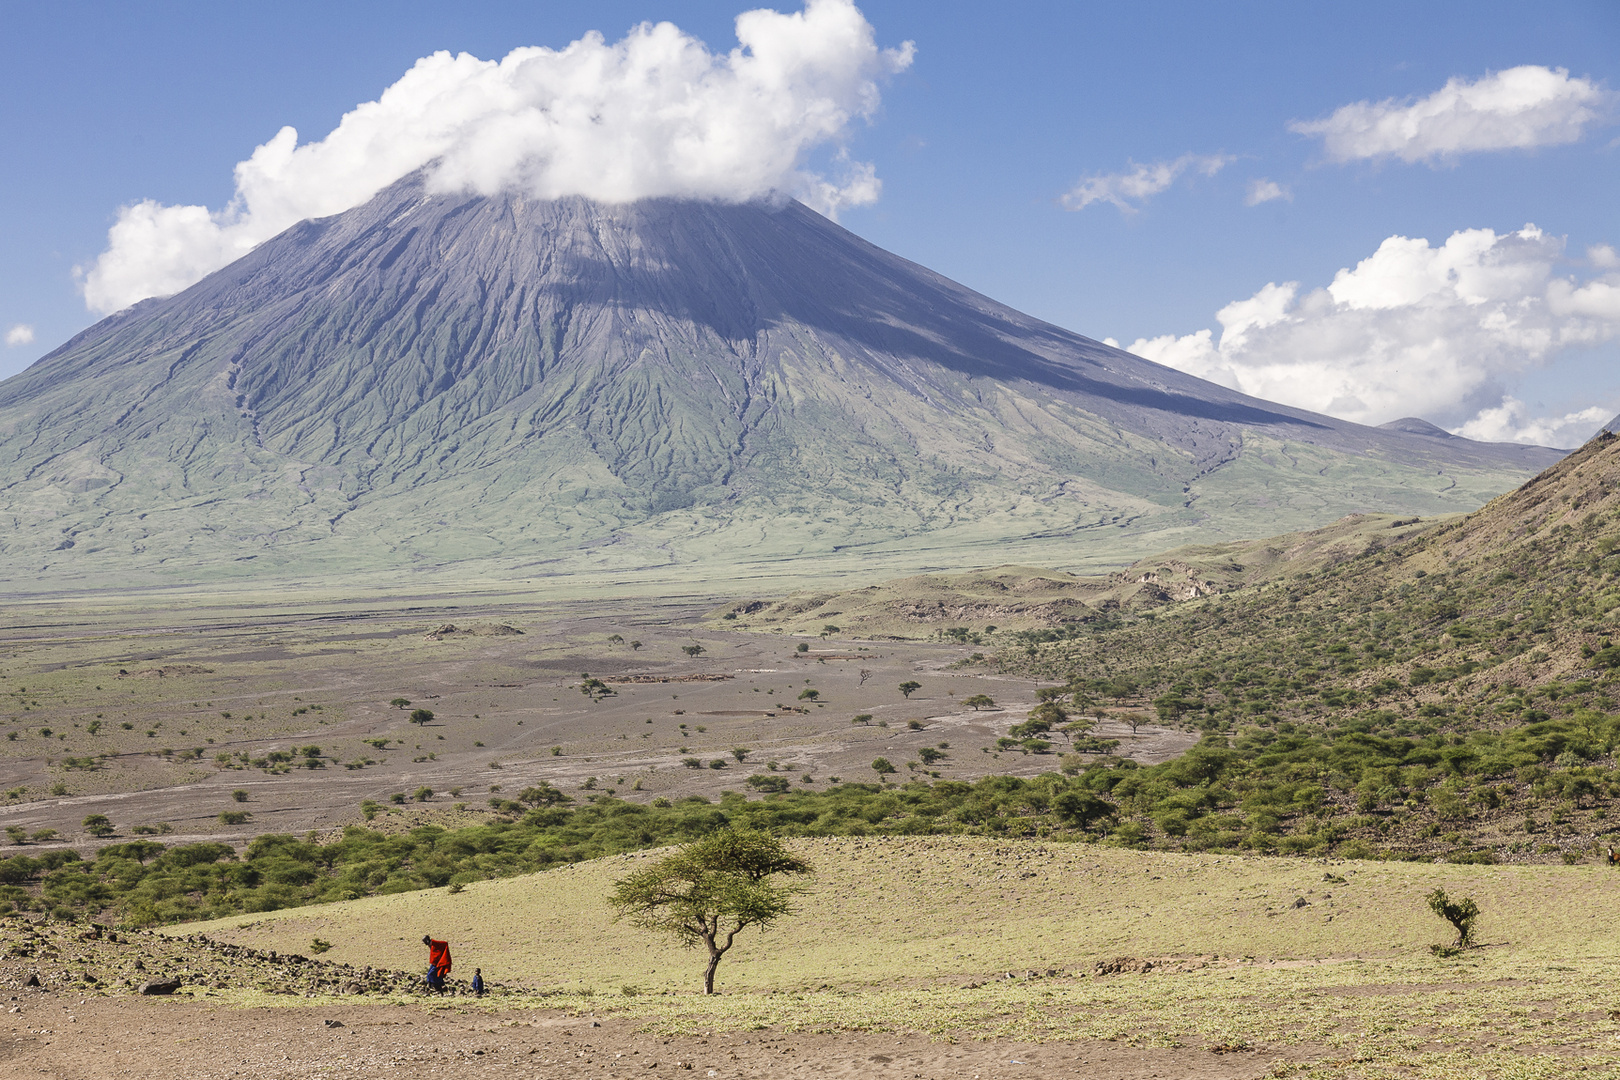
column 1450, row 691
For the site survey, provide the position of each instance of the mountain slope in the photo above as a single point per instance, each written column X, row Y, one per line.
column 519, row 387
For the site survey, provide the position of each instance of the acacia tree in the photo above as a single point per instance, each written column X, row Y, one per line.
column 909, row 688
column 711, row 890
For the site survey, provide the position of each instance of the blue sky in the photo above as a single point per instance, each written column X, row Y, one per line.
column 1001, row 113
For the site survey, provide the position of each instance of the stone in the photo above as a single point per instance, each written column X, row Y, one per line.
column 160, row 986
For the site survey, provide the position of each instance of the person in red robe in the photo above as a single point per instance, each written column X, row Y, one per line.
column 438, row 962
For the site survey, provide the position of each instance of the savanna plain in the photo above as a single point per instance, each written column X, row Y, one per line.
column 1183, row 820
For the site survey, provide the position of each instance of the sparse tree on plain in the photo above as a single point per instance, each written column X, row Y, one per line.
column 909, row 688
column 421, row 717
column 882, row 766
column 979, row 701
column 711, row 890
column 400, row 702
column 1075, row 727
column 542, row 795
column 1461, row 914
column 98, row 825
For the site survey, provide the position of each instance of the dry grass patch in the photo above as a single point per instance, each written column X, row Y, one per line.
column 919, row 934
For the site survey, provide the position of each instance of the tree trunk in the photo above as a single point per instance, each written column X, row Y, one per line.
column 708, row 975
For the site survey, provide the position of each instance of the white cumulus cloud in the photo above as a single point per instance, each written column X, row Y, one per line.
column 1128, row 190
column 1511, row 421
column 1516, row 109
column 20, row 334
column 654, row 114
column 1414, row 329
column 1263, row 190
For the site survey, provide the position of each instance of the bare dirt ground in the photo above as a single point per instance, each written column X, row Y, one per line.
column 155, row 718
column 69, row 1040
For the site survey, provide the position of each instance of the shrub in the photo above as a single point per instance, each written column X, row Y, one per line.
column 1461, row 914
column 233, row 817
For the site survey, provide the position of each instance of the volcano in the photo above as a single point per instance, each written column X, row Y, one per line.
column 462, row 384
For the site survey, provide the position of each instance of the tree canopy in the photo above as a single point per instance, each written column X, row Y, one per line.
column 711, row 890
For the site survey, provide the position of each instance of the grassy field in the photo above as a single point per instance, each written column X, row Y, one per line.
column 921, row 935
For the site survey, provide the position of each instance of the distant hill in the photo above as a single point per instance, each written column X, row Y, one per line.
column 461, row 385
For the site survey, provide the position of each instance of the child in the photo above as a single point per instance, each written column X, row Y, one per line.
column 478, row 981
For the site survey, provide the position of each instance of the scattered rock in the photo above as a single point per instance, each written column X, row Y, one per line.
column 163, row 986
column 334, row 1023
column 1123, row 965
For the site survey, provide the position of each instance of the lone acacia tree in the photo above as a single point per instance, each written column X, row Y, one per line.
column 711, row 890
